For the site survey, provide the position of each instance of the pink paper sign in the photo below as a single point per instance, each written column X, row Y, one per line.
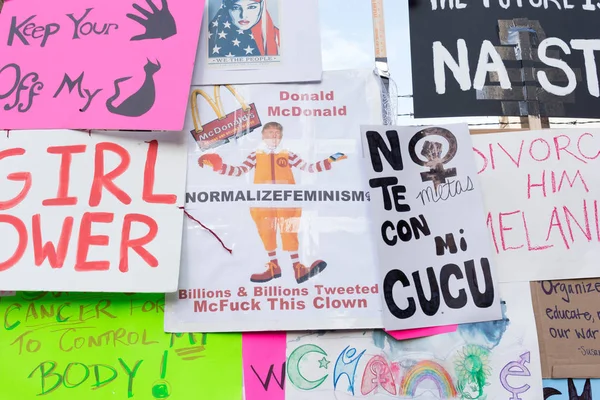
column 421, row 332
column 264, row 360
column 91, row 64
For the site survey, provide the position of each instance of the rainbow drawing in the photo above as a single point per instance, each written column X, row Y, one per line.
column 428, row 370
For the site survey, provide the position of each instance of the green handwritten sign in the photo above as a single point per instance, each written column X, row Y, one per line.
column 109, row 346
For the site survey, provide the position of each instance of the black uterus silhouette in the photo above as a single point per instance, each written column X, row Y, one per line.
column 141, row 101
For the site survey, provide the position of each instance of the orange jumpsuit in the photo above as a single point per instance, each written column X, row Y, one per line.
column 276, row 168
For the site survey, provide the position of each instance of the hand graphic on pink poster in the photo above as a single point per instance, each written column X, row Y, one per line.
column 110, row 76
column 159, row 24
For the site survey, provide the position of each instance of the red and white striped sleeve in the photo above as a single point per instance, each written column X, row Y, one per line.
column 297, row 162
column 247, row 165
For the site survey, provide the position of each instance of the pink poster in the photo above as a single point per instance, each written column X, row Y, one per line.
column 89, row 64
column 421, row 332
column 264, row 359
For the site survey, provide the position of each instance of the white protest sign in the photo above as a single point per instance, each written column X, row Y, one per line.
column 489, row 360
column 429, row 227
column 284, row 190
column 91, row 212
column 541, row 191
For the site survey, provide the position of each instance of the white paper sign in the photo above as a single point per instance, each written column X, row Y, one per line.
column 91, row 212
column 285, row 193
column 428, row 223
column 485, row 360
column 542, row 193
column 262, row 41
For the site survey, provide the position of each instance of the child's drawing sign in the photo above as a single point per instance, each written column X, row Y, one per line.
column 98, row 65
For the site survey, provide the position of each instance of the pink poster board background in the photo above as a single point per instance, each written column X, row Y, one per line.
column 421, row 332
column 262, row 354
column 104, row 55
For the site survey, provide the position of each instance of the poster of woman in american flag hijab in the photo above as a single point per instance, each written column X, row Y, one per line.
column 243, row 32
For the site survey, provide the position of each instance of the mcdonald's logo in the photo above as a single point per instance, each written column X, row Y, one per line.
column 235, row 124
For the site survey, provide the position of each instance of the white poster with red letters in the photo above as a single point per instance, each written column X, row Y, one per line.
column 95, row 211
column 542, row 191
column 277, row 234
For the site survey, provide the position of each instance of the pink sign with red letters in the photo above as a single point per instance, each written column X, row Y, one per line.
column 91, row 64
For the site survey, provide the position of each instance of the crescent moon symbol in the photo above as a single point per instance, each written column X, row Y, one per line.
column 293, row 367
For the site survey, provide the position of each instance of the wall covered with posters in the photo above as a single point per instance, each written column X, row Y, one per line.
column 285, row 244
column 112, row 346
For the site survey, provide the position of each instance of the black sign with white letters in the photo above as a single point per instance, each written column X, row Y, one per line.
column 505, row 57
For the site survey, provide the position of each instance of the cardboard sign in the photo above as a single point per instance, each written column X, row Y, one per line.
column 95, row 212
column 540, row 190
column 66, row 346
column 97, row 65
column 567, row 315
column 428, row 221
column 285, row 198
column 503, row 57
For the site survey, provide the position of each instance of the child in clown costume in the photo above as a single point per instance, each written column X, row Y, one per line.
column 273, row 165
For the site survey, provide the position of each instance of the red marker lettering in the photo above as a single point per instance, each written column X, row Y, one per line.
column 22, row 232
column 62, row 198
column 149, row 175
column 16, row 176
column 86, row 239
column 105, row 180
column 137, row 245
column 55, row 255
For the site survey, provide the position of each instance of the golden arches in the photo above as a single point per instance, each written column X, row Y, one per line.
column 215, row 103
